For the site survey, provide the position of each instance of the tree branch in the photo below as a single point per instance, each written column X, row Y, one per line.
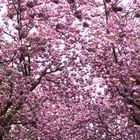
column 35, row 84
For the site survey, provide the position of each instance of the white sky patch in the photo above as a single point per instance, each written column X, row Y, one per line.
column 91, row 125
column 2, row 10
column 33, row 30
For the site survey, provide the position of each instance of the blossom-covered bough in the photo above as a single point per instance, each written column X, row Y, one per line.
column 69, row 70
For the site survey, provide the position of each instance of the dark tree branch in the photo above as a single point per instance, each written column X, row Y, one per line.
column 10, row 35
column 9, row 103
column 137, row 121
column 23, row 123
column 115, row 55
column 128, row 100
column 35, row 84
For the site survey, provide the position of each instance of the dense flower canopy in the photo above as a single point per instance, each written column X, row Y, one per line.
column 70, row 70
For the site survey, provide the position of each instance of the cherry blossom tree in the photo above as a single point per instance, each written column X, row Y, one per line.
column 69, row 70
